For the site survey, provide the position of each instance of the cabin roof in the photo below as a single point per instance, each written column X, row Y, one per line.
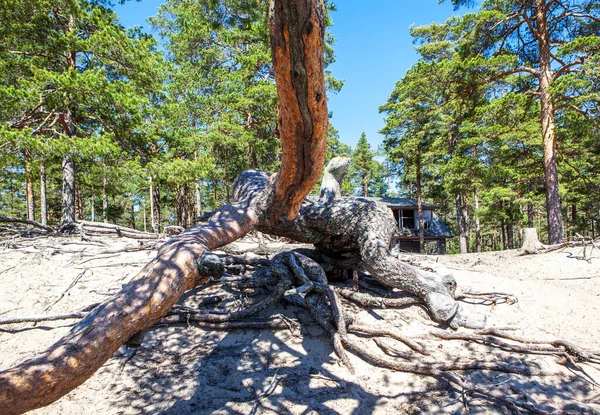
column 436, row 229
column 402, row 202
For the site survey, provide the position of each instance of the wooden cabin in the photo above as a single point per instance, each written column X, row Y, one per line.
column 407, row 217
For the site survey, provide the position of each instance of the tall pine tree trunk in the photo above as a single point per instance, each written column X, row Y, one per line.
column 530, row 212
column 68, row 164
column 420, row 206
column 462, row 224
column 29, row 188
column 43, row 202
column 181, row 205
column 155, row 206
column 198, row 192
column 104, row 199
column 478, row 240
column 68, row 192
column 92, row 207
column 554, row 215
column 78, row 204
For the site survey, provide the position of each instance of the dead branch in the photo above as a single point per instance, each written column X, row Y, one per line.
column 8, row 219
column 71, row 285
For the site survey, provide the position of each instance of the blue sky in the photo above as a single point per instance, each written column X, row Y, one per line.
column 373, row 51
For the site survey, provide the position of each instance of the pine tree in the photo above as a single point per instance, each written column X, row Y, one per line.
column 552, row 43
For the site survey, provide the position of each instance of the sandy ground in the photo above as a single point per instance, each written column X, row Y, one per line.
column 183, row 369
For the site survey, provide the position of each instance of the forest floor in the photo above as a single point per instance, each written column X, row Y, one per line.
column 184, row 369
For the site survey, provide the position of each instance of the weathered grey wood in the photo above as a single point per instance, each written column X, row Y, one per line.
column 333, row 176
column 8, row 219
column 366, row 227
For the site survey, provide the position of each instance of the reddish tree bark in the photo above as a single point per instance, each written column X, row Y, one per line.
column 297, row 30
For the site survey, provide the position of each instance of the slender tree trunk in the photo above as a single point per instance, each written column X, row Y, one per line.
column 478, row 241
column 144, row 215
column 198, row 195
column 511, row 236
column 78, row 204
column 227, row 186
column 530, row 212
column 68, row 192
column 155, row 206
column 574, row 217
column 365, row 185
column 104, row 199
column 43, row 202
column 93, row 208
column 68, row 164
column 29, row 188
column 420, row 205
column 132, row 214
column 503, row 226
column 462, row 224
column 181, row 205
column 198, row 191
column 554, row 214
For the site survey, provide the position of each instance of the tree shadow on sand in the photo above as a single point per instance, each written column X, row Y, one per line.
column 182, row 369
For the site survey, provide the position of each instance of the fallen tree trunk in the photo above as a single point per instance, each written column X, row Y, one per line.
column 8, row 219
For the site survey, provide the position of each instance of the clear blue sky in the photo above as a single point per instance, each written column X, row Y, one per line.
column 373, row 51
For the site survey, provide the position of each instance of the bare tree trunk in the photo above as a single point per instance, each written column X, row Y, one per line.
column 104, row 199
column 191, row 205
column 462, row 224
column 554, row 214
column 68, row 192
column 530, row 213
column 144, row 215
column 132, row 214
column 29, row 188
column 420, row 206
column 181, row 205
column 93, row 208
column 78, row 204
column 478, row 241
column 43, row 202
column 574, row 217
column 68, row 164
column 155, row 206
column 198, row 192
